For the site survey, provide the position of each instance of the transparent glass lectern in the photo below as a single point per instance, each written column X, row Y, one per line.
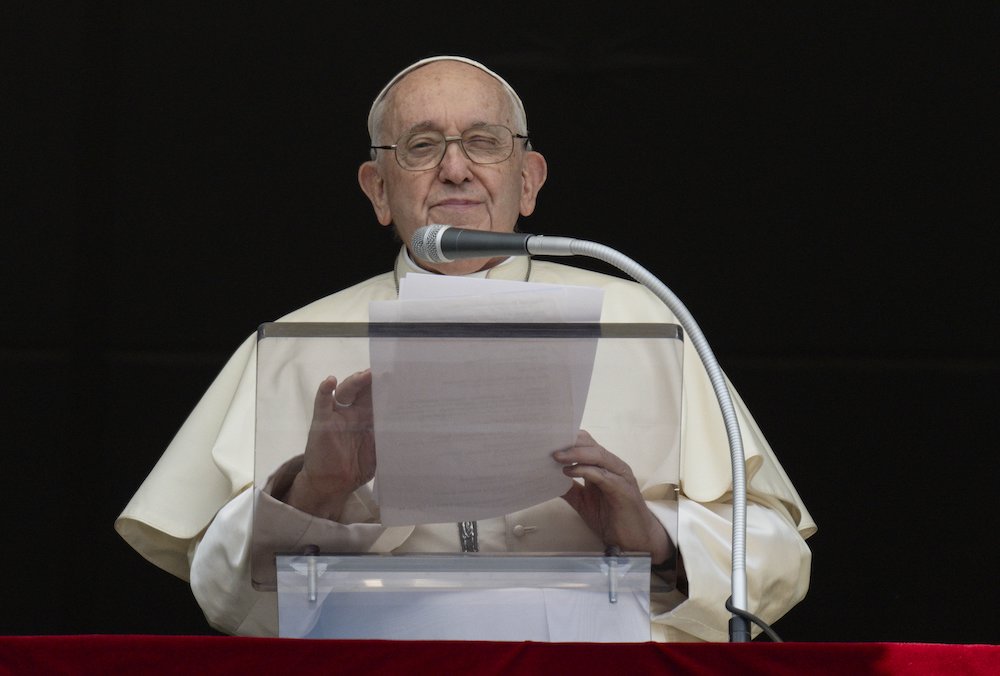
column 494, row 397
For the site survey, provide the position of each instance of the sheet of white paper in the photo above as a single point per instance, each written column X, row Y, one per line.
column 465, row 428
column 553, row 302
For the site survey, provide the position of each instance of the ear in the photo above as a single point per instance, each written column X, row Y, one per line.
column 373, row 185
column 533, row 172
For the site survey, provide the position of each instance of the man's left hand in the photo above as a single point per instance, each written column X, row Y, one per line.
column 609, row 500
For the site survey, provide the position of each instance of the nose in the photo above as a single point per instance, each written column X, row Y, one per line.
column 455, row 165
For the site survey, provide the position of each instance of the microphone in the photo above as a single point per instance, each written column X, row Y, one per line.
column 438, row 243
column 444, row 243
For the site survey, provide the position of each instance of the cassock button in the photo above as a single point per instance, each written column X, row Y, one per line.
column 520, row 530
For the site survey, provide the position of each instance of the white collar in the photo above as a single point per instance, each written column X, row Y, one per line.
column 413, row 267
column 516, row 268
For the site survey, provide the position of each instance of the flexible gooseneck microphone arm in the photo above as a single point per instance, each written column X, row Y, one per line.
column 427, row 244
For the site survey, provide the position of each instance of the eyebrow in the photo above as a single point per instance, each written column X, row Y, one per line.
column 427, row 125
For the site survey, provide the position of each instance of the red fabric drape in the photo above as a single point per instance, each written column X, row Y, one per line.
column 222, row 655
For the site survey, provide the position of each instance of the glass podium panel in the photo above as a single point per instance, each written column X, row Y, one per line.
column 499, row 397
column 559, row 598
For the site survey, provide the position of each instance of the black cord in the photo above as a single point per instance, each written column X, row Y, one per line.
column 753, row 618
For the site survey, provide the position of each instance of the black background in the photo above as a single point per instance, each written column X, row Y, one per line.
column 816, row 182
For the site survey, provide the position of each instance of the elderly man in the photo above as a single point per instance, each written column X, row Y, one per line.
column 450, row 145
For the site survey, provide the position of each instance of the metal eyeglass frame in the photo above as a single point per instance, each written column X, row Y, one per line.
column 452, row 139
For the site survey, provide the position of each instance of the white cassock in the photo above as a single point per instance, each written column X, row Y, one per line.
column 192, row 515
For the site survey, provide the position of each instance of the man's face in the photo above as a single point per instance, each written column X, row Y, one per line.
column 450, row 97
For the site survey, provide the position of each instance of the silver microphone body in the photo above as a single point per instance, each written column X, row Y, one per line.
column 438, row 243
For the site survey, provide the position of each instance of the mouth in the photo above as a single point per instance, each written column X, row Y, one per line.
column 455, row 204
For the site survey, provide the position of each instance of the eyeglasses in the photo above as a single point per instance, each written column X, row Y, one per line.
column 485, row 144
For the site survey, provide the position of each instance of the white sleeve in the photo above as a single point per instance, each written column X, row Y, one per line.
column 778, row 565
column 221, row 559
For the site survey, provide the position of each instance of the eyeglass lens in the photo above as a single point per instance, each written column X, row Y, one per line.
column 487, row 144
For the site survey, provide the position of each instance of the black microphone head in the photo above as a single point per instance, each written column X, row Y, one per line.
column 426, row 243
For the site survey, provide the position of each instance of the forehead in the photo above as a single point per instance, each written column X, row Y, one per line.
column 447, row 94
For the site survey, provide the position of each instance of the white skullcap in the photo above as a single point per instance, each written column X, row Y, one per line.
column 423, row 62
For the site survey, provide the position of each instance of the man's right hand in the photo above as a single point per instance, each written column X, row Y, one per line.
column 340, row 450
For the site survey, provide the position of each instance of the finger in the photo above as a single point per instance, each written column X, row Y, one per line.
column 328, row 385
column 601, row 477
column 321, row 402
column 595, row 455
column 364, row 382
column 572, row 454
column 352, row 388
